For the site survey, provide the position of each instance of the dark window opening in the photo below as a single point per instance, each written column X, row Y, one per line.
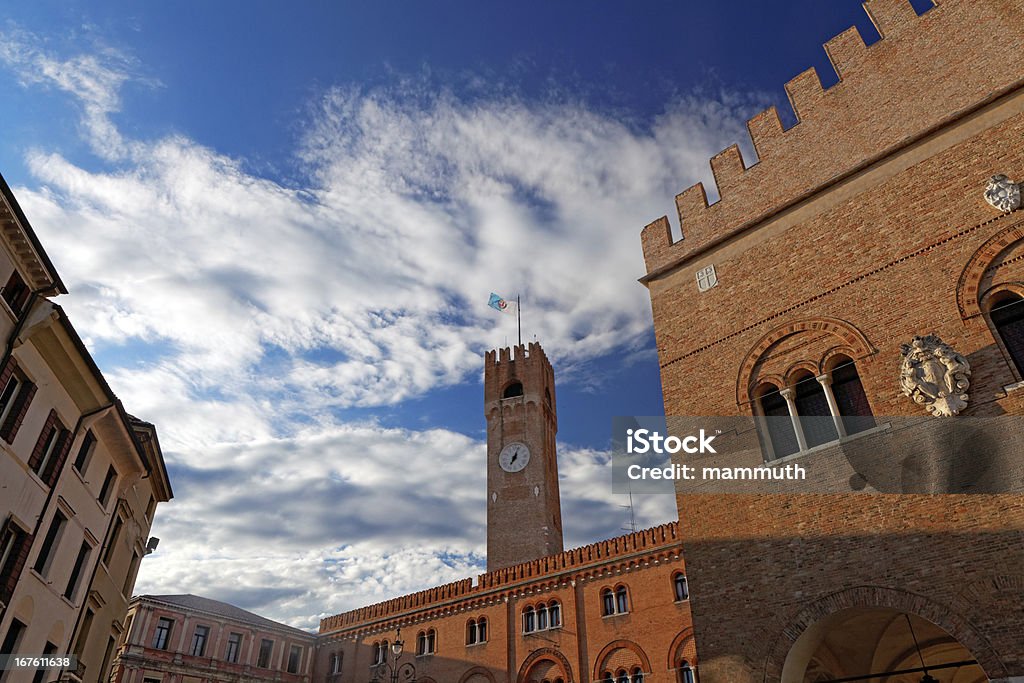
column 812, row 407
column 16, row 293
column 1008, row 318
column 851, row 399
column 513, row 389
column 76, row 572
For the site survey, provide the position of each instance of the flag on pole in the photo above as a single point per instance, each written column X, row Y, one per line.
column 500, row 304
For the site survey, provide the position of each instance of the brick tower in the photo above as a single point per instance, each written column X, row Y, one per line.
column 524, row 517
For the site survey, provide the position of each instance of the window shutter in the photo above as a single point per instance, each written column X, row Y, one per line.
column 37, row 452
column 56, row 464
column 18, row 411
column 16, row 562
column 5, row 375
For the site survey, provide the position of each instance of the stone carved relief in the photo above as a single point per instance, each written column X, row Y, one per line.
column 1003, row 194
column 935, row 375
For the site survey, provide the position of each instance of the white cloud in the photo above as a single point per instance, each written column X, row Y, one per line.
column 264, row 308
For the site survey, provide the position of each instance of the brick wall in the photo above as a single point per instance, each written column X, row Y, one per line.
column 860, row 228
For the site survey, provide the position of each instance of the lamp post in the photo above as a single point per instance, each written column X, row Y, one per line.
column 390, row 669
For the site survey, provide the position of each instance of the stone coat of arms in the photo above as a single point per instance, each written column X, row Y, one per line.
column 935, row 375
column 1003, row 194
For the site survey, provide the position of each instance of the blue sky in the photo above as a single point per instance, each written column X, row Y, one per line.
column 280, row 226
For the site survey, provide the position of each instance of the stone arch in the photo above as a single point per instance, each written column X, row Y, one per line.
column 968, row 287
column 607, row 651
column 804, row 365
column 544, row 654
column 826, row 363
column 955, row 624
column 847, row 333
column 477, row 671
column 984, row 301
column 678, row 648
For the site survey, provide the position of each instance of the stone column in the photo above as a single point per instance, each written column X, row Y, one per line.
column 790, row 395
column 833, row 407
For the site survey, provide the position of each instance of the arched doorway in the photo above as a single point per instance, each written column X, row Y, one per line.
column 879, row 645
column 545, row 665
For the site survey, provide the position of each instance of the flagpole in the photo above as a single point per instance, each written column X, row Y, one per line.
column 519, row 319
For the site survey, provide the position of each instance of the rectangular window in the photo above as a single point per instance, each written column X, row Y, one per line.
column 14, row 546
column 234, row 647
column 83, row 634
column 47, row 448
column 105, row 667
column 7, row 397
column 40, row 674
column 129, row 579
column 14, row 402
column 14, row 633
column 199, row 641
column 50, row 541
column 16, row 293
column 108, row 486
column 151, row 680
column 85, row 452
column 266, row 649
column 294, row 657
column 115, row 536
column 150, row 508
column 76, row 572
column 163, row 633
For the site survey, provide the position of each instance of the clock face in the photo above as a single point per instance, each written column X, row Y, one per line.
column 514, row 456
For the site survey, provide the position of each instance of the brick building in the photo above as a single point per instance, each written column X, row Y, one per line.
column 191, row 639
column 873, row 220
column 616, row 610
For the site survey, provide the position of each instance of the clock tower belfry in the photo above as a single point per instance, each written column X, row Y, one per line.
column 524, row 516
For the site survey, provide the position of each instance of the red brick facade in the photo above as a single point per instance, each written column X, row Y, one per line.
column 859, row 228
column 649, row 635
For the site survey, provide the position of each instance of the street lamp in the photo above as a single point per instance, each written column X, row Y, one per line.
column 392, row 670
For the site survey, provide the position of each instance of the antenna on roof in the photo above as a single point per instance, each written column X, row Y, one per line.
column 632, row 517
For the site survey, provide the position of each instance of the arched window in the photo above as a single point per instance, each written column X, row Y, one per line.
column 421, row 643
column 337, row 659
column 542, row 617
column 621, row 603
column 622, row 676
column 686, row 673
column 529, row 624
column 850, row 397
column 779, row 424
column 607, row 677
column 513, row 389
column 1007, row 315
column 431, row 642
column 471, row 632
column 681, row 589
column 813, row 409
column 555, row 614
column 607, row 602
column 638, row 675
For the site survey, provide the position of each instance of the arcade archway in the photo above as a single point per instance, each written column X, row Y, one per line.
column 879, row 645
